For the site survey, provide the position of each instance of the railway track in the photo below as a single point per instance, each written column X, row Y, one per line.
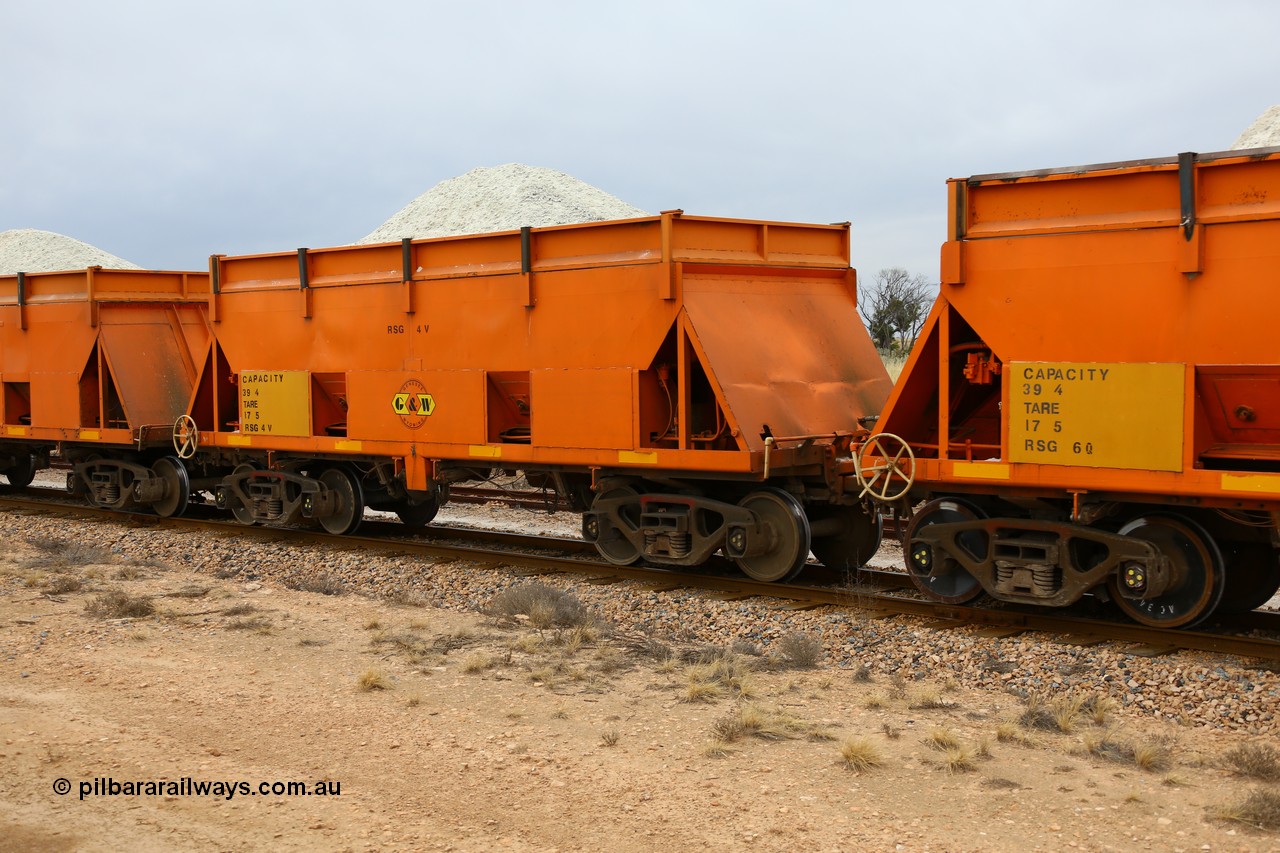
column 875, row 592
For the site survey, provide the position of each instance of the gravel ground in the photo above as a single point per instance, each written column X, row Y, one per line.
column 1194, row 689
column 32, row 250
column 501, row 198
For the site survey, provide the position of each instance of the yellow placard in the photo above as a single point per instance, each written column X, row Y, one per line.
column 980, row 470
column 638, row 457
column 87, row 434
column 1096, row 415
column 1268, row 484
column 275, row 402
column 485, row 450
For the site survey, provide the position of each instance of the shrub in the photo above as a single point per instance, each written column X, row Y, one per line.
column 117, row 604
column 802, row 651
column 545, row 606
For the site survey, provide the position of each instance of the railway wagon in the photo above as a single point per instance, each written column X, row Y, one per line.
column 688, row 383
column 1094, row 402
column 96, row 366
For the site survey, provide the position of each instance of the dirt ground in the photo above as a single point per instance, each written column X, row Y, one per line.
column 479, row 734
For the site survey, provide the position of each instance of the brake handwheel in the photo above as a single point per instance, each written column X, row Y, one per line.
column 186, row 437
column 893, row 463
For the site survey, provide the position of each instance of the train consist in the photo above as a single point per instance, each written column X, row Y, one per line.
column 688, row 383
column 1093, row 406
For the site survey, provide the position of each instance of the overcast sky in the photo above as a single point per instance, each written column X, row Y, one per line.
column 166, row 131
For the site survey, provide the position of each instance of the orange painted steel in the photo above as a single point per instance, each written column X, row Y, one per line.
column 667, row 344
column 1104, row 338
column 98, row 357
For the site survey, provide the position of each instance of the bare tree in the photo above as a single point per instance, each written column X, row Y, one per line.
column 894, row 307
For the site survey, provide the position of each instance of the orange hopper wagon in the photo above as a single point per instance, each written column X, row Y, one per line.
column 686, row 382
column 1094, row 402
column 97, row 365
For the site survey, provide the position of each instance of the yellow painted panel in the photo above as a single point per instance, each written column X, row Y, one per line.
column 638, row 458
column 348, row 445
column 275, row 402
column 90, row 434
column 485, row 450
column 16, row 430
column 1266, row 483
column 1096, row 415
column 239, row 440
column 980, row 470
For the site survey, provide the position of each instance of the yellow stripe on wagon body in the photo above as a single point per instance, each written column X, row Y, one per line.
column 1263, row 483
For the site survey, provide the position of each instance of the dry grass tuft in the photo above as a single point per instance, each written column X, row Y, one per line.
column 862, row 674
column 1254, row 760
column 1098, row 706
column 528, row 643
column 875, row 701
column 62, row 584
column 802, row 651
column 477, row 662
column 891, row 731
column 1153, row 755
column 1260, row 809
column 646, row 646
column 717, row 749
column 943, row 739
column 860, row 753
column 1000, row 783
column 1058, row 715
column 958, row 759
column 117, row 604
column 609, row 737
column 928, row 699
column 373, row 679
column 750, row 720
column 257, row 624
column 51, row 553
column 374, row 625
column 190, row 591
column 242, row 609
column 721, row 673
column 1008, row 732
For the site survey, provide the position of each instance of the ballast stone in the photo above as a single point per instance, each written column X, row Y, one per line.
column 1263, row 133
column 32, row 250
column 501, row 198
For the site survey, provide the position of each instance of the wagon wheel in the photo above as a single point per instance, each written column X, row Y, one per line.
column 22, row 471
column 878, row 479
column 186, row 436
column 855, row 541
column 788, row 533
column 940, row 578
column 612, row 544
column 1198, row 576
column 177, row 487
column 350, row 509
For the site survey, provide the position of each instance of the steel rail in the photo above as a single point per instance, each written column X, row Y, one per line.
column 868, row 591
